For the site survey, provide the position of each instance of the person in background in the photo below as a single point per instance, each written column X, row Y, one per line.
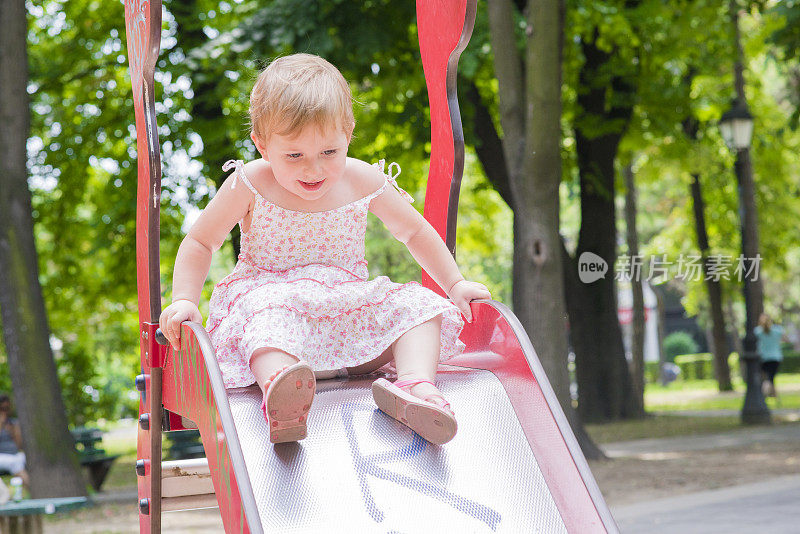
column 12, row 459
column 769, row 347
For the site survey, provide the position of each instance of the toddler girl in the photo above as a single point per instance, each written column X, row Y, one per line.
column 299, row 300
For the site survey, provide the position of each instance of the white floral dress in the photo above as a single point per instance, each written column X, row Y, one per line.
column 301, row 285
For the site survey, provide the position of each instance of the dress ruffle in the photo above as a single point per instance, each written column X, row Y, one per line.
column 343, row 321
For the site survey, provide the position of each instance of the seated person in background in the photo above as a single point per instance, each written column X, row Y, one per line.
column 11, row 458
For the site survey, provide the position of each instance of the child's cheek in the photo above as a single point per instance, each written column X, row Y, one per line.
column 337, row 168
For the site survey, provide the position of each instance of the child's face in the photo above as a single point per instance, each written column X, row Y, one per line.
column 309, row 163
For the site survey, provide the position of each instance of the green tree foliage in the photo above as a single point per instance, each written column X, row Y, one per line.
column 679, row 56
column 83, row 177
column 786, row 38
column 700, row 84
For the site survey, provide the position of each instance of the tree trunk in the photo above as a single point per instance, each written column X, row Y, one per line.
column 50, row 449
column 540, row 298
column 733, row 332
column 638, row 319
column 722, row 371
column 604, row 385
column 530, row 113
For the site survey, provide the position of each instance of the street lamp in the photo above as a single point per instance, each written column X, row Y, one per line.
column 736, row 127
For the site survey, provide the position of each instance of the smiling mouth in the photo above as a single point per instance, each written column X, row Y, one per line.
column 311, row 186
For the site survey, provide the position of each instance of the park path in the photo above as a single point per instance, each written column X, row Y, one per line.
column 735, row 438
column 770, row 506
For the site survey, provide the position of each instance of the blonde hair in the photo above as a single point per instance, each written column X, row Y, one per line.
column 297, row 90
column 765, row 322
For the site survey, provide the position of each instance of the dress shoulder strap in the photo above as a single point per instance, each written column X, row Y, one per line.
column 240, row 175
column 391, row 179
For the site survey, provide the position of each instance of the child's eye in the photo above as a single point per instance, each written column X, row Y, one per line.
column 294, row 155
column 330, row 152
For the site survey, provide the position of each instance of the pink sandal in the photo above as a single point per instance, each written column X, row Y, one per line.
column 287, row 401
column 434, row 423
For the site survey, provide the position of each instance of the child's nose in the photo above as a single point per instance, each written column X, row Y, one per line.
column 314, row 169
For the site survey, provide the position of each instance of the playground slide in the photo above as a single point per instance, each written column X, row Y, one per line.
column 513, row 467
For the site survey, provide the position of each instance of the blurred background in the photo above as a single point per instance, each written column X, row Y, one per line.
column 673, row 130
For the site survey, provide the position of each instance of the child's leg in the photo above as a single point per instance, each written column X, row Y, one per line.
column 267, row 362
column 416, row 356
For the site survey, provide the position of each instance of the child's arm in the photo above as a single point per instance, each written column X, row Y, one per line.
column 207, row 234
column 408, row 226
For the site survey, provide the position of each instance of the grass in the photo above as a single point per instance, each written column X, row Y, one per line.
column 122, row 475
column 710, row 384
column 670, row 426
column 724, row 401
column 119, row 437
column 670, row 410
column 703, row 395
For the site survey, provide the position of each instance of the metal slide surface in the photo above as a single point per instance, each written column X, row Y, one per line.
column 360, row 468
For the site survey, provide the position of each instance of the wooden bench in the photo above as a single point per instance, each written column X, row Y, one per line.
column 92, row 457
column 25, row 517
